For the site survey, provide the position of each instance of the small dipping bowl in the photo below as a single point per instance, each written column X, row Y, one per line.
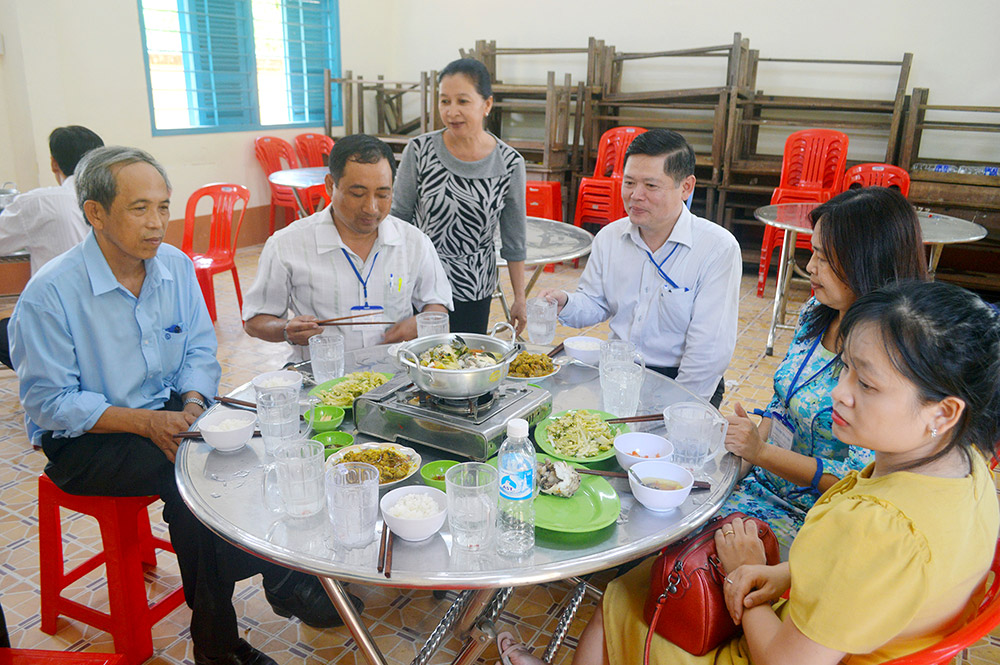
column 585, row 349
column 419, row 528
column 655, row 499
column 333, row 441
column 227, row 440
column 324, row 418
column 432, row 471
column 279, row 379
column 634, row 447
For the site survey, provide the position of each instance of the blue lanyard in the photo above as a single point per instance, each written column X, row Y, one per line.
column 659, row 267
column 796, row 386
column 364, row 281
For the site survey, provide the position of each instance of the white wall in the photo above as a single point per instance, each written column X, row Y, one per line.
column 80, row 62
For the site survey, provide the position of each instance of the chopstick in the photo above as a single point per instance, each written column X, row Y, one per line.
column 698, row 484
column 556, row 350
column 653, row 417
column 388, row 555
column 361, row 323
column 235, row 402
column 340, row 318
column 381, row 547
column 195, row 434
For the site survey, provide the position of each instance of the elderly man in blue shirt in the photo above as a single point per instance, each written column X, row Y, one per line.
column 115, row 353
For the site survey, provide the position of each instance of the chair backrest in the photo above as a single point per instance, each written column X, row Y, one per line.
column 987, row 618
column 270, row 150
column 611, row 150
column 813, row 162
column 314, row 149
column 877, row 175
column 222, row 240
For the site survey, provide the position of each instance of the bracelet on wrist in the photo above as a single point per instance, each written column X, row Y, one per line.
column 195, row 400
column 284, row 333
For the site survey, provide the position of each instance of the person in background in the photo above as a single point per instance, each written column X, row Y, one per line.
column 892, row 558
column 668, row 280
column 115, row 354
column 863, row 239
column 47, row 221
column 459, row 185
column 351, row 258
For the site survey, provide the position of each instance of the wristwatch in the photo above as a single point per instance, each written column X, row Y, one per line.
column 284, row 332
column 195, row 400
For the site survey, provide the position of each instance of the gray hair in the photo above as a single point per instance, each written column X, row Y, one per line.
column 95, row 174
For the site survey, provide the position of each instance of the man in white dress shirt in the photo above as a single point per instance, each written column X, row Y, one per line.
column 667, row 280
column 47, row 221
column 350, row 259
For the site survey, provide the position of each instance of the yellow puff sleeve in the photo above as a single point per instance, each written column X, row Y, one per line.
column 859, row 574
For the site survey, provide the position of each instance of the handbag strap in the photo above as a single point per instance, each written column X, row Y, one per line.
column 652, row 627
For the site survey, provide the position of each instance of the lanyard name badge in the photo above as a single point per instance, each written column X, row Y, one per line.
column 782, row 429
column 671, row 284
column 364, row 284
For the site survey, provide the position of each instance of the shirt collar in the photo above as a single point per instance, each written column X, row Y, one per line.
column 681, row 234
column 102, row 280
column 328, row 238
column 69, row 183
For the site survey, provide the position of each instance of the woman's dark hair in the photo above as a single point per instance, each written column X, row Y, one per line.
column 679, row 162
column 871, row 237
column 361, row 148
column 475, row 70
column 946, row 342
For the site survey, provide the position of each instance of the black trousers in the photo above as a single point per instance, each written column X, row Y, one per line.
column 471, row 316
column 671, row 373
column 130, row 465
column 5, row 343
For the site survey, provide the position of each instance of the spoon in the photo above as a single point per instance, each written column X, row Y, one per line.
column 635, row 475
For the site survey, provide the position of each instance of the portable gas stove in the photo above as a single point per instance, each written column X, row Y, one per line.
column 472, row 428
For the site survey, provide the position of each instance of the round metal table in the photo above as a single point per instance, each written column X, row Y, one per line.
column 793, row 218
column 225, row 492
column 299, row 180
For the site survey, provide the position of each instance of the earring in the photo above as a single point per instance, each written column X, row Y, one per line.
column 934, row 432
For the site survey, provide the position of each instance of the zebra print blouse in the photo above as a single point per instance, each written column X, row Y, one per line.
column 460, row 205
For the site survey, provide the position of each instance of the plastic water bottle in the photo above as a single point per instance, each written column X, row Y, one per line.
column 516, row 463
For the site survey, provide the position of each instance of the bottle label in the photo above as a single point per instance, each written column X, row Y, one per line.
column 517, row 485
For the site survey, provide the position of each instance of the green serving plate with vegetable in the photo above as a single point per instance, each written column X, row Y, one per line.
column 572, row 443
column 329, row 386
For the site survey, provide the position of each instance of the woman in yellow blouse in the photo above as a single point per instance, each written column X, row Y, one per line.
column 890, row 559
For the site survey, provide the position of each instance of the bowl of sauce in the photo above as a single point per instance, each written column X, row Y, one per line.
column 663, row 486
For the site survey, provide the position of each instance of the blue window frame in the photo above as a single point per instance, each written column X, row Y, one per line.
column 236, row 65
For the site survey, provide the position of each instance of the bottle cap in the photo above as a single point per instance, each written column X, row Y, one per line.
column 517, row 428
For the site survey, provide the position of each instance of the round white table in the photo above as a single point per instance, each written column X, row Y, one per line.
column 300, row 180
column 793, row 218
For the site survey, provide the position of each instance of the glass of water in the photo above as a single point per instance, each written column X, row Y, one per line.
column 352, row 493
column 298, row 470
column 473, row 493
column 542, row 320
column 621, row 383
column 326, row 353
column 432, row 323
column 278, row 415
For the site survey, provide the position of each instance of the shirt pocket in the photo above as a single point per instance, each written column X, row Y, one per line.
column 172, row 346
column 398, row 298
column 674, row 309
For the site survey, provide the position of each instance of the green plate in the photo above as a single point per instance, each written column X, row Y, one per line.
column 326, row 385
column 542, row 437
column 594, row 506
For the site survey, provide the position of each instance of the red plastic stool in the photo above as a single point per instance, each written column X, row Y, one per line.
column 128, row 543
column 38, row 657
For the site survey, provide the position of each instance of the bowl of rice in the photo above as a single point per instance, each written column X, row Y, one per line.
column 227, row 430
column 414, row 512
column 284, row 378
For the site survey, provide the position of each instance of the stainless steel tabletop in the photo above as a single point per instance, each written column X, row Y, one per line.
column 299, row 178
column 225, row 492
column 549, row 241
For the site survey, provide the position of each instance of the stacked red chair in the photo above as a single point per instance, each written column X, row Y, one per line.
column 221, row 252
column 313, row 149
column 128, row 544
column 599, row 198
column 877, row 175
column 811, row 171
column 270, row 151
column 543, row 198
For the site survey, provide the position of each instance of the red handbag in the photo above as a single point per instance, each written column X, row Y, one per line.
column 686, row 589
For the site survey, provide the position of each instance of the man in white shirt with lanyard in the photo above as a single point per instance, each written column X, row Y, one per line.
column 350, row 259
column 667, row 280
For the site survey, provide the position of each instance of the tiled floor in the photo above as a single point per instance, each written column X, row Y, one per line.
column 397, row 619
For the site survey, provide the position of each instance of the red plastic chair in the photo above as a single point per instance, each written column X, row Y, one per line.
column 543, row 198
column 811, row 170
column 599, row 198
column 222, row 241
column 986, row 619
column 313, row 149
column 270, row 150
column 128, row 544
column 611, row 150
column 877, row 175
column 39, row 657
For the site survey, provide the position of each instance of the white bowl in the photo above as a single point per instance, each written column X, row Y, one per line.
column 227, row 440
column 414, row 529
column 278, row 379
column 655, row 499
column 585, row 349
column 634, row 447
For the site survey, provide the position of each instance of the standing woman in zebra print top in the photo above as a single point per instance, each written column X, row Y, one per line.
column 458, row 185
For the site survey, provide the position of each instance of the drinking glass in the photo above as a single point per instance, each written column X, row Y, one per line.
column 542, row 320
column 352, row 500
column 620, row 350
column 278, row 415
column 621, row 383
column 326, row 353
column 432, row 323
column 473, row 493
column 298, row 470
column 697, row 432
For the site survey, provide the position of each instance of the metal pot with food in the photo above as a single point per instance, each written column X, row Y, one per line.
column 459, row 366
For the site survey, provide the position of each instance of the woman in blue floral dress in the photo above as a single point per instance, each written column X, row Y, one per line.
column 862, row 240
